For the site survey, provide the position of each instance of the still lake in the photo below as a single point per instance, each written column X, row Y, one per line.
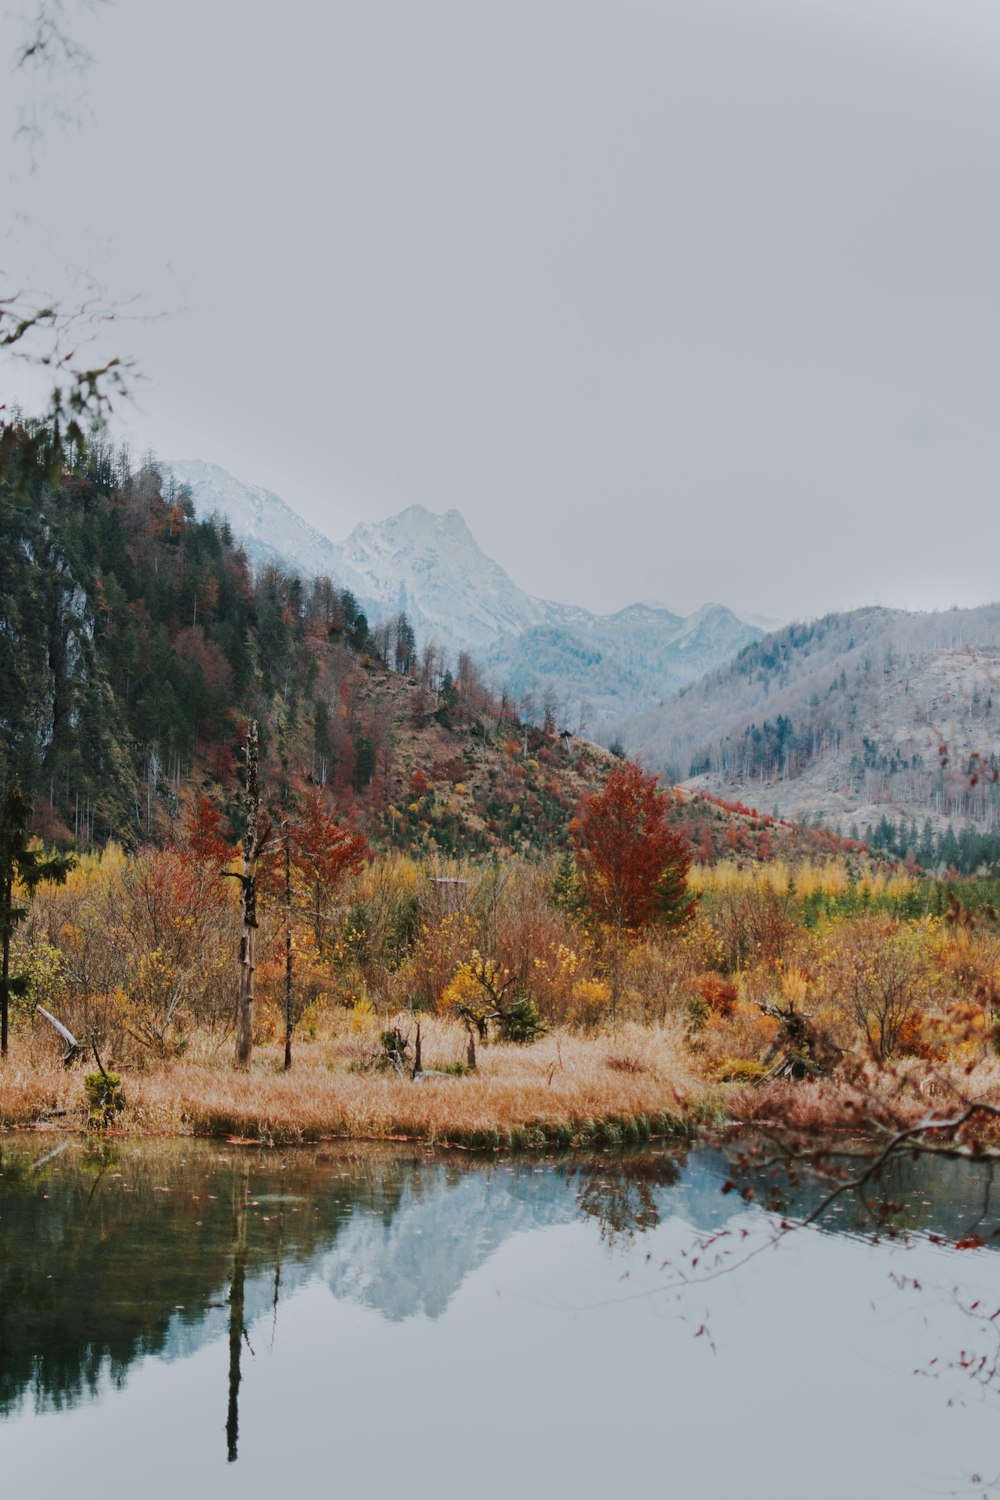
column 189, row 1318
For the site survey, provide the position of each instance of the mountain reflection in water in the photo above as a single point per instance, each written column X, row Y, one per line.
column 109, row 1253
column 112, row 1254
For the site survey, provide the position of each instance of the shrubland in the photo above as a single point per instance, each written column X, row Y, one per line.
column 537, row 1019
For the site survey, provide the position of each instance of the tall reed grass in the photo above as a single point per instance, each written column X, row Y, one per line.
column 566, row 1089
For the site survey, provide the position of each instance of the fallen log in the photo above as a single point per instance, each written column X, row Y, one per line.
column 73, row 1047
column 792, row 1064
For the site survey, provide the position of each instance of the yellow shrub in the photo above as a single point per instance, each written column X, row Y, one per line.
column 590, row 1002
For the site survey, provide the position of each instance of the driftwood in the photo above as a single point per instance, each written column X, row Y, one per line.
column 799, row 1049
column 73, row 1047
column 792, row 1064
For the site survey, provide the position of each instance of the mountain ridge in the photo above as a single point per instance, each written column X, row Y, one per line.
column 846, row 718
column 429, row 565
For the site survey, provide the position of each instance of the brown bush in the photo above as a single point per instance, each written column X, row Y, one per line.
column 719, row 994
column 658, row 975
column 754, row 922
column 882, row 973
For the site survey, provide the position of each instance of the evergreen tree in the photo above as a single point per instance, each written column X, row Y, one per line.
column 22, row 867
column 406, row 643
column 926, row 847
column 948, row 851
column 364, row 761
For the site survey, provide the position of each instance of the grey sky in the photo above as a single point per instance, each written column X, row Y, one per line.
column 684, row 299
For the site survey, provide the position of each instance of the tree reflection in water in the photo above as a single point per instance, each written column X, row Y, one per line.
column 114, row 1252
column 237, row 1326
column 620, row 1192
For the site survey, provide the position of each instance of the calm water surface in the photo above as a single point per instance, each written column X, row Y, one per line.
column 190, row 1318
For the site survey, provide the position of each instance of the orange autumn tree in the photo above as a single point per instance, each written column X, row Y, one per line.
column 204, row 835
column 634, row 867
column 322, row 855
column 305, row 859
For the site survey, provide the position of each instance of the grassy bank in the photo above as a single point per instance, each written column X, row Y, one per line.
column 564, row 1090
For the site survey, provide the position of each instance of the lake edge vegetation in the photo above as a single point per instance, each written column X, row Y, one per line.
column 493, row 1005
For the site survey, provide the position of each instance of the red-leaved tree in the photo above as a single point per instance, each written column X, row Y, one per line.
column 204, row 835
column 323, row 854
column 633, row 865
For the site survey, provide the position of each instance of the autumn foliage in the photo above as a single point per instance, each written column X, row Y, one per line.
column 323, row 855
column 634, row 866
column 204, row 834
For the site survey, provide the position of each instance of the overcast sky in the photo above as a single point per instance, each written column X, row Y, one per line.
column 675, row 299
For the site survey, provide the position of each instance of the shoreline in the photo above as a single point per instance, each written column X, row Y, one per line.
column 596, row 1135
column 568, row 1091
column 448, row 1114
column 564, row 1091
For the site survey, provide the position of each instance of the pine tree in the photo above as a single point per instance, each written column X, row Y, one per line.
column 22, row 868
column 925, row 848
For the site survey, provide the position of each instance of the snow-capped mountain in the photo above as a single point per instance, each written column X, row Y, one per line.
column 600, row 667
column 429, row 565
column 432, row 567
column 269, row 529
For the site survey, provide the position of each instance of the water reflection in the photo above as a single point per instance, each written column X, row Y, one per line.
column 916, row 1193
column 621, row 1194
column 109, row 1254
column 237, row 1327
column 113, row 1254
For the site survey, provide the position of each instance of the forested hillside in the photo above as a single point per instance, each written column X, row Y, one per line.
column 135, row 643
column 850, row 717
column 591, row 670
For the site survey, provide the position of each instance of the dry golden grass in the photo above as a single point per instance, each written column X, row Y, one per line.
column 869, row 1098
column 34, row 1085
column 567, row 1089
column 563, row 1089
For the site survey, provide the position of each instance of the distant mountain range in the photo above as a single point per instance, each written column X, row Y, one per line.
column 600, row 668
column 842, row 719
column 849, row 719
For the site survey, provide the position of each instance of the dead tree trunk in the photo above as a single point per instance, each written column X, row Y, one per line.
column 73, row 1047
column 5, row 979
column 251, row 853
column 287, row 840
